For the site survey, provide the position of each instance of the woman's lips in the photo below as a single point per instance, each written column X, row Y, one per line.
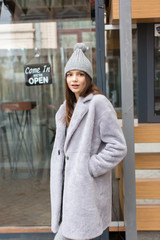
column 75, row 86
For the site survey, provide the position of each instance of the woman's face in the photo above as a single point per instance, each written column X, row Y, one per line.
column 76, row 81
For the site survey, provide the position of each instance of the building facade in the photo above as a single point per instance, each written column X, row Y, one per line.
column 146, row 97
column 36, row 39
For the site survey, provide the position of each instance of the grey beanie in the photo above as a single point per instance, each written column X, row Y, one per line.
column 78, row 61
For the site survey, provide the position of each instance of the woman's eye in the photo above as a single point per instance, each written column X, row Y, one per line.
column 69, row 75
column 81, row 74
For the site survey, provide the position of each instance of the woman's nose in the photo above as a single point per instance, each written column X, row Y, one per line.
column 74, row 77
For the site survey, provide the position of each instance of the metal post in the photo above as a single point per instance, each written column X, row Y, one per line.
column 128, row 117
column 100, row 61
column 100, row 45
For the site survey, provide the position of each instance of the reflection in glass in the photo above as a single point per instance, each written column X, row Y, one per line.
column 68, row 40
column 40, row 10
column 27, row 115
column 157, row 77
column 113, row 81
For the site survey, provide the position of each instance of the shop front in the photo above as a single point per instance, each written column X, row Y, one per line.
column 36, row 40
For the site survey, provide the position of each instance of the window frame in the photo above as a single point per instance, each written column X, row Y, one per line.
column 146, row 74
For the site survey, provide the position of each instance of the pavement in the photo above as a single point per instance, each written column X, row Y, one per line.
column 24, row 202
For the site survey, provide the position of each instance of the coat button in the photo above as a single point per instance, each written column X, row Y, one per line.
column 67, row 158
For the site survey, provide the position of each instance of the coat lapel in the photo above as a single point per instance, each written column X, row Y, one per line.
column 80, row 111
column 61, row 125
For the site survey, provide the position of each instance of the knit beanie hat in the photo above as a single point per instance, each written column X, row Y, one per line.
column 78, row 61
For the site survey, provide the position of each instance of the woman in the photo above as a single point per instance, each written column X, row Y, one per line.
column 88, row 144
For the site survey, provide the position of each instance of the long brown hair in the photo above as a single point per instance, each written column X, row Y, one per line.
column 89, row 88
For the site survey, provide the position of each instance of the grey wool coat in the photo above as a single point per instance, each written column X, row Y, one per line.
column 94, row 144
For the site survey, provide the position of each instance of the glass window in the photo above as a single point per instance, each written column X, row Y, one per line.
column 89, row 37
column 113, row 81
column 30, row 36
column 148, row 39
column 68, row 40
column 157, row 77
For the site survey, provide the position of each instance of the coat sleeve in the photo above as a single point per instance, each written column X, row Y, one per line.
column 114, row 145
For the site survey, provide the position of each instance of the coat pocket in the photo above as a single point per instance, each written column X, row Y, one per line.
column 77, row 165
column 90, row 166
